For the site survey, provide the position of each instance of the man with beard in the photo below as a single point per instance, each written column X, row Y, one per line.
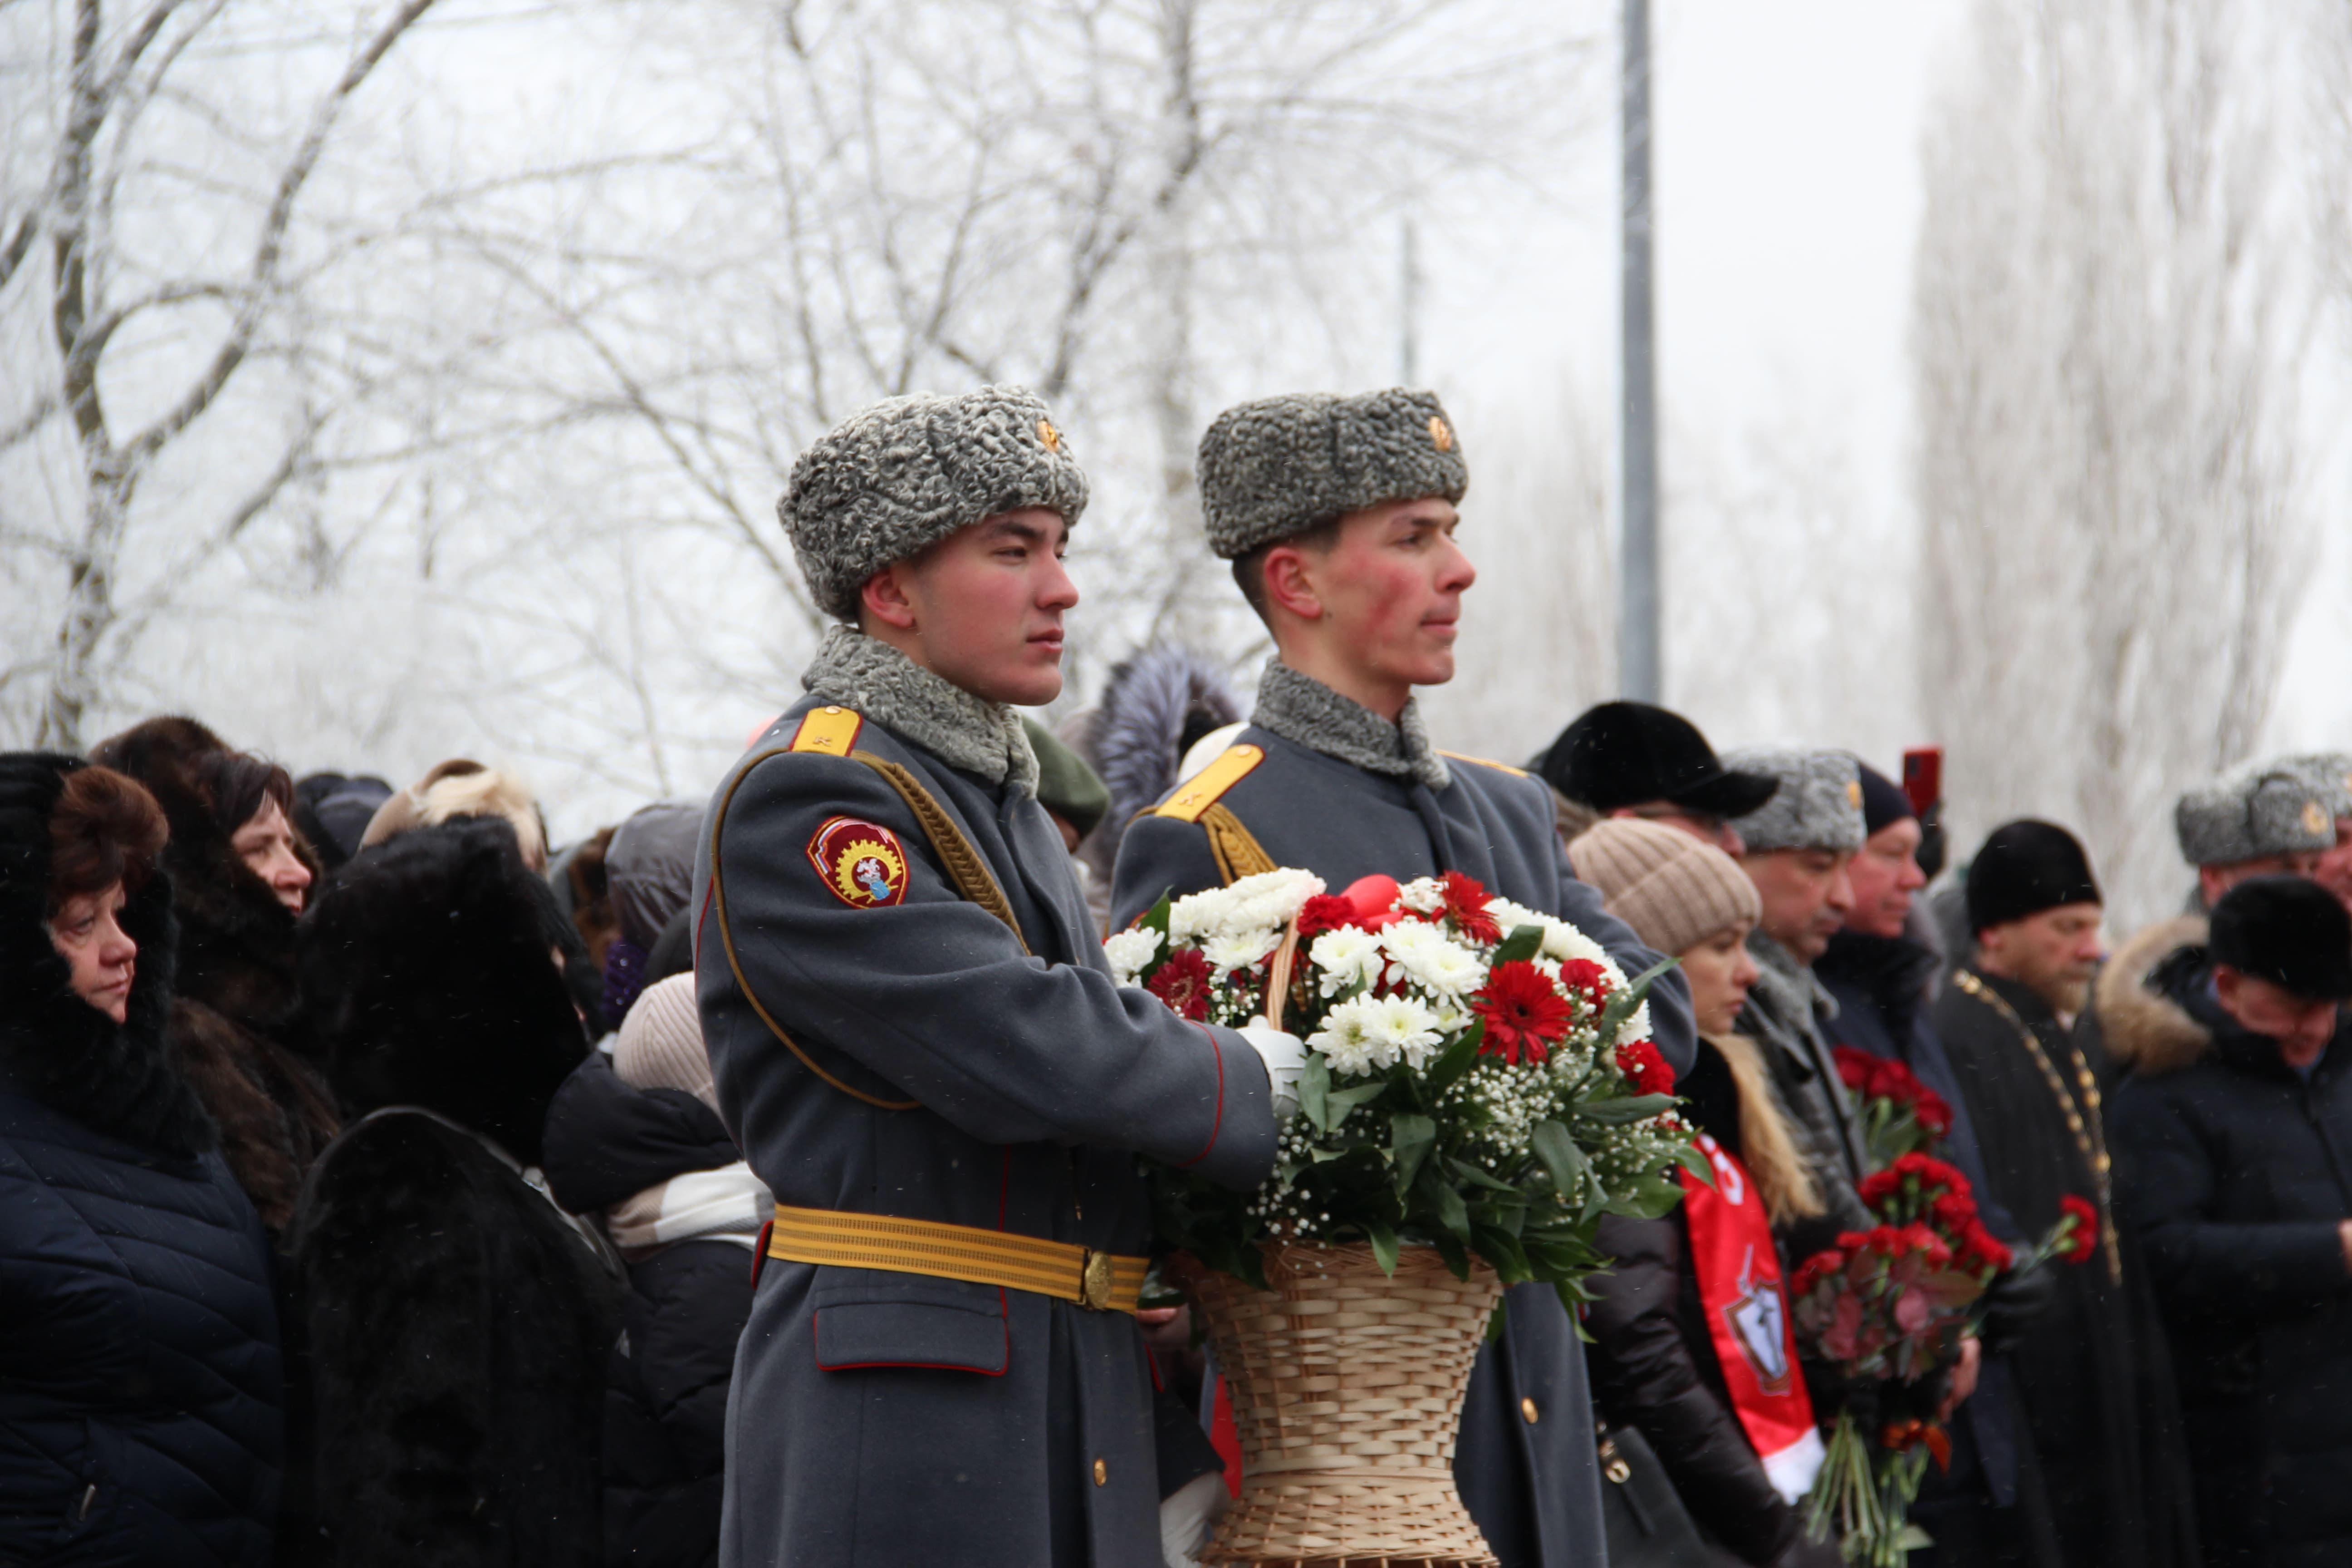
column 2097, row 1403
column 2231, row 1133
column 1339, row 516
column 1988, row 1504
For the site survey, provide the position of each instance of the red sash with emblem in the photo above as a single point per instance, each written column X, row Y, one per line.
column 1748, row 1317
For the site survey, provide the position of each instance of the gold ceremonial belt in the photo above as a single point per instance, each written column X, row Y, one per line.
column 1063, row 1270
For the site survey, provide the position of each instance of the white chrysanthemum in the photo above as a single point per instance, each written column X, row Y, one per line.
column 1511, row 916
column 1271, row 897
column 1399, row 1026
column 1345, row 956
column 1563, row 940
column 1637, row 1027
column 1239, row 950
column 1424, row 895
column 1427, row 955
column 1196, row 915
column 1345, row 1040
column 1129, row 951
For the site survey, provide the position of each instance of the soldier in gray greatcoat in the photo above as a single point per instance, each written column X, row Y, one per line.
column 921, row 1049
column 1339, row 516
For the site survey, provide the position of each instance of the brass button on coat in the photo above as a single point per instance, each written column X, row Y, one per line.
column 1102, row 1473
column 1527, row 1408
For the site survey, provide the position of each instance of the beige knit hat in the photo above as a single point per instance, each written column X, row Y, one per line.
column 1673, row 890
column 661, row 1041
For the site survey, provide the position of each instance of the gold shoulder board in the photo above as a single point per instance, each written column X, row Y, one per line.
column 1205, row 788
column 1485, row 763
column 832, row 731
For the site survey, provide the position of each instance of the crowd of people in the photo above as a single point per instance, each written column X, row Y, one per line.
column 382, row 1183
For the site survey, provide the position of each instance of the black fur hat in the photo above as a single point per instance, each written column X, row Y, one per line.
column 2289, row 931
column 117, row 1078
column 427, row 976
column 1627, row 754
column 2027, row 867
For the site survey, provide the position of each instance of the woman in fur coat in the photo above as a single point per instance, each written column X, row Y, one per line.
column 139, row 1369
column 460, row 1321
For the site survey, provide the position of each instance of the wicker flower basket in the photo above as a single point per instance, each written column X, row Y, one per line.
column 1347, row 1387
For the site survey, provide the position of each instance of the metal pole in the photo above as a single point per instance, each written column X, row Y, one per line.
column 1409, row 307
column 1640, row 662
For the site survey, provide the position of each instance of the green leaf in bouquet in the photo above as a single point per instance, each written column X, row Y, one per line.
column 1618, row 1113
column 1688, row 1157
column 1338, row 1102
column 1949, row 1287
column 1455, row 1257
column 1499, row 1320
column 1384, row 1246
column 1511, row 1216
column 1621, row 1005
column 1523, row 943
column 1456, row 1058
column 1562, row 1160
column 1477, row 1176
column 1501, row 1249
column 1646, row 1198
column 1313, row 1091
column 1445, row 1205
column 1156, row 916
column 1411, row 1137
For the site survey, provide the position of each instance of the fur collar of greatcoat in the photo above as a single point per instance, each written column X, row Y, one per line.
column 2143, row 1029
column 237, row 941
column 429, row 982
column 115, row 1079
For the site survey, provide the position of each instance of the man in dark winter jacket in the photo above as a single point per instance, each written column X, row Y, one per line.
column 2091, row 1378
column 1339, row 516
column 920, row 1049
column 2233, row 1135
column 1975, row 1508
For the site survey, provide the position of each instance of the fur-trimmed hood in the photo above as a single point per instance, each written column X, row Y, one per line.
column 429, row 980
column 2143, row 1029
column 115, row 1079
column 237, row 941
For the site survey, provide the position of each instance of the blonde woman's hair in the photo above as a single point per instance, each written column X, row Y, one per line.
column 1766, row 1146
column 463, row 788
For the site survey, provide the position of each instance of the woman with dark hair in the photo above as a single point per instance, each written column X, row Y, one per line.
column 240, row 875
column 140, row 1414
column 460, row 1321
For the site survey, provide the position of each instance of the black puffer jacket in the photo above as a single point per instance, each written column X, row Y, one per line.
column 665, row 1405
column 2235, row 1172
column 1654, row 1365
column 139, row 1369
column 460, row 1323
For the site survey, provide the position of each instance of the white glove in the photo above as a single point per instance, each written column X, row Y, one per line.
column 1188, row 1516
column 1286, row 1060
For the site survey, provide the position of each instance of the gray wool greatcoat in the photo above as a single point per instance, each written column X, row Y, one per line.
column 1524, row 1463
column 887, row 1419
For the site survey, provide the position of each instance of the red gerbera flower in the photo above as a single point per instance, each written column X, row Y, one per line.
column 1524, row 1015
column 1644, row 1068
column 1184, row 982
column 2084, row 1240
column 1324, row 912
column 1466, row 906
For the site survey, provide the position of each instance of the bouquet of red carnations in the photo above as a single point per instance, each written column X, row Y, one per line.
column 1888, row 1306
column 1900, row 1115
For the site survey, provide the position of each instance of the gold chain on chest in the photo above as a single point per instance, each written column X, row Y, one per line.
column 2083, row 1119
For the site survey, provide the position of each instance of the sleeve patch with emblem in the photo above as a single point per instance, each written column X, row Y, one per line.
column 861, row 863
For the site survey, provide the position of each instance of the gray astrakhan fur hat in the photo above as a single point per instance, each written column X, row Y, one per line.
column 892, row 479
column 2329, row 773
column 1280, row 466
column 2270, row 808
column 1817, row 806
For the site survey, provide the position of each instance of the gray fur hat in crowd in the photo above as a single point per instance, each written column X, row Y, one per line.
column 2269, row 808
column 1817, row 806
column 894, row 479
column 2330, row 773
column 1279, row 466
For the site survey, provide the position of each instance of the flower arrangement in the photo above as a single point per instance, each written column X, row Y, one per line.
column 1480, row 1075
column 1900, row 1115
column 1888, row 1306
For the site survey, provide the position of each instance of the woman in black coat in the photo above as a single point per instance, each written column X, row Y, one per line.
column 139, row 1418
column 460, row 1321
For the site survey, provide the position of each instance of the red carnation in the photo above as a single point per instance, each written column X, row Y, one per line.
column 1184, row 982
column 1932, row 1112
column 1854, row 1067
column 1523, row 1012
column 1980, row 1248
column 1583, row 977
column 1644, row 1068
column 1323, row 912
column 1821, row 1266
column 1466, row 906
column 2084, row 1240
